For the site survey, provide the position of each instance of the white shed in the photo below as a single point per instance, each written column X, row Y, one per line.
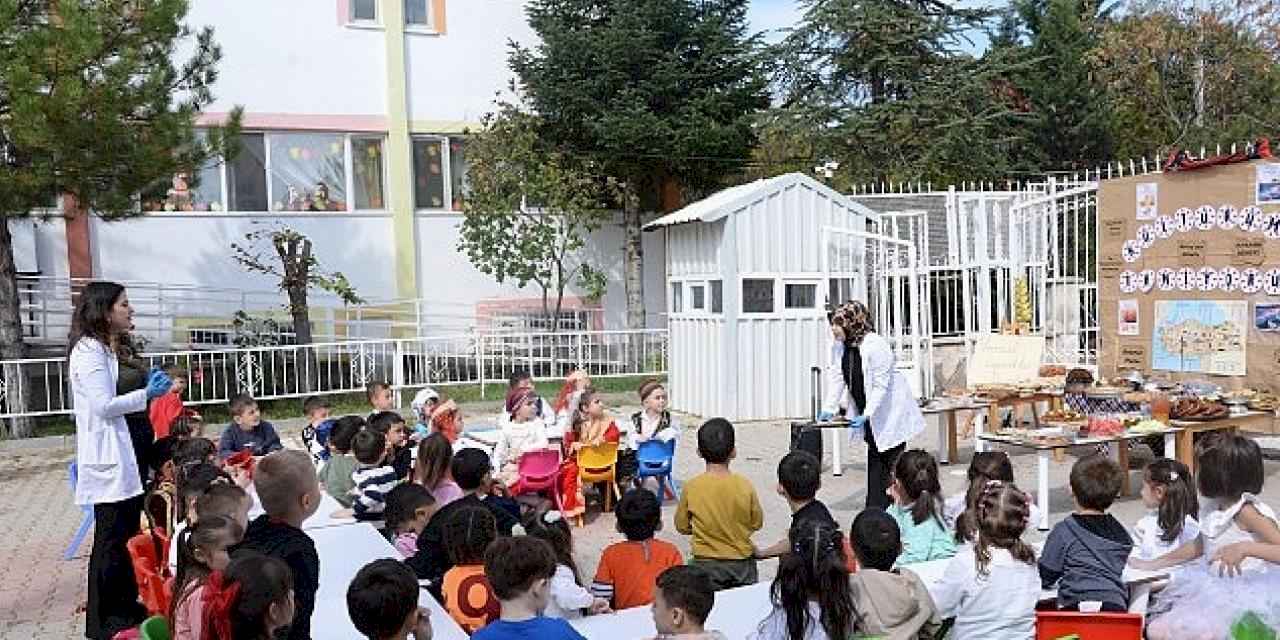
column 749, row 279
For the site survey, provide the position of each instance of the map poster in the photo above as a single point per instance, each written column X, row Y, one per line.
column 1128, row 317
column 1200, row 336
column 1147, row 193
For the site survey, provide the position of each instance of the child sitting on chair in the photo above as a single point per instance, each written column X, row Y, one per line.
column 519, row 436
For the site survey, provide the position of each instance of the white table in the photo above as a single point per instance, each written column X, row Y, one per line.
column 737, row 613
column 931, row 574
column 343, row 552
column 322, row 518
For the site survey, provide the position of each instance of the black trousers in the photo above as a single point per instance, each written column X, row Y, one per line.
column 879, row 469
column 113, row 590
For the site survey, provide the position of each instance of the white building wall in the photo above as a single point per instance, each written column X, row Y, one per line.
column 695, row 377
column 695, row 248
column 782, row 233
column 774, row 361
column 291, row 57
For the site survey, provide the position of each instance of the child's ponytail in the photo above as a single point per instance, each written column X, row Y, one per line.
column 1179, row 496
column 1003, row 513
column 205, row 533
column 917, row 473
column 814, row 569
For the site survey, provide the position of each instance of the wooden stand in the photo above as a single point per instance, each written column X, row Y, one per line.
column 1254, row 421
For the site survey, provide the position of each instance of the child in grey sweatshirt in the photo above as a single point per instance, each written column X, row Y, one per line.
column 1085, row 554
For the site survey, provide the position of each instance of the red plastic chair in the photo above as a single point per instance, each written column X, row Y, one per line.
column 150, row 569
column 539, row 471
column 1052, row 625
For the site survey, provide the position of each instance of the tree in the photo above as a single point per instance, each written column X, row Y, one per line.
column 529, row 210
column 661, row 94
column 93, row 106
column 277, row 250
column 880, row 86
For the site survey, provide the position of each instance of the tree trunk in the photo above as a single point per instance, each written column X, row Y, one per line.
column 633, row 267
column 306, row 362
column 11, row 345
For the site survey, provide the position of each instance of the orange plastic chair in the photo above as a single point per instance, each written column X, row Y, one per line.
column 1052, row 625
column 150, row 569
column 599, row 464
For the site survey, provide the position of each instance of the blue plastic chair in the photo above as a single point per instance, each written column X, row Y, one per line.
column 86, row 520
column 656, row 459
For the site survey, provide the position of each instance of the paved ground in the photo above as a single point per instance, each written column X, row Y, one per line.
column 39, row 592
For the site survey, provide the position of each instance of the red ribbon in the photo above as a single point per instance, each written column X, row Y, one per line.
column 219, row 597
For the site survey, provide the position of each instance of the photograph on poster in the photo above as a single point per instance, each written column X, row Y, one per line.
column 1147, row 200
column 1266, row 317
column 1128, row 317
column 1268, row 183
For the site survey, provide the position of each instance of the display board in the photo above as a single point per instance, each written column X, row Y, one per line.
column 1189, row 275
column 1005, row 359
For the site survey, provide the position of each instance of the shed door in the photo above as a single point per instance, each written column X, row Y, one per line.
column 881, row 271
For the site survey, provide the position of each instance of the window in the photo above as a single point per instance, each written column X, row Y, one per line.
column 698, row 293
column 757, row 295
column 677, row 297
column 417, row 12
column 308, row 172
column 800, row 296
column 717, row 296
column 364, row 10
column 428, row 173
column 247, row 175
column 457, row 171
column 366, row 172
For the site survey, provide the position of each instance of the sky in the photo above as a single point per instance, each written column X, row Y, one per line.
column 772, row 15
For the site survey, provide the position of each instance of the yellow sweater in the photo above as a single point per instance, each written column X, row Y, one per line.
column 721, row 510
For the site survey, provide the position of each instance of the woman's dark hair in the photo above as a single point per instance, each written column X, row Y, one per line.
column 435, row 455
column 1179, row 500
column 558, row 535
column 985, row 466
column 814, row 569
column 1003, row 512
column 466, row 534
column 1229, row 466
column 91, row 318
column 209, row 531
column 260, row 581
column 917, row 472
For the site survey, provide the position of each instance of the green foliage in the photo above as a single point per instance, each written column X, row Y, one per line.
column 275, row 249
column 530, row 209
column 92, row 104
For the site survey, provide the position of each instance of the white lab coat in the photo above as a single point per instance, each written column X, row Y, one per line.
column 894, row 413
column 107, row 468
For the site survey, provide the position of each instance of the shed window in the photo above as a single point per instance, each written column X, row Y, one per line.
column 677, row 297
column 801, row 295
column 717, row 296
column 698, row 293
column 757, row 295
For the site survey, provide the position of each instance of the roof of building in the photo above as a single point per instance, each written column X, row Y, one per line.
column 726, row 201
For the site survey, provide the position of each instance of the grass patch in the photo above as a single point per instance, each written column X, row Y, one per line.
column 216, row 415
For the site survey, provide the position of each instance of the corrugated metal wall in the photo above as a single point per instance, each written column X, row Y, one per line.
column 782, row 233
column 695, row 248
column 696, row 366
column 774, row 361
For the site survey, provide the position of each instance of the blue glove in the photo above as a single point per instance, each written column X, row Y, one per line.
column 825, row 416
column 158, row 383
column 857, row 422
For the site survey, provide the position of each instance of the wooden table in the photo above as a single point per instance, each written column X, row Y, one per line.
column 1256, row 421
column 945, row 409
column 1016, row 402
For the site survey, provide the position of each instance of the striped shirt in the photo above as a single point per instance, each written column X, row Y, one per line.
column 373, row 483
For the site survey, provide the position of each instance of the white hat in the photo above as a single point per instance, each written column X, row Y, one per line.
column 420, row 400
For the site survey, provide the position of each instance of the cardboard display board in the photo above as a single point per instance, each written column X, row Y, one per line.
column 1189, row 275
column 1005, row 359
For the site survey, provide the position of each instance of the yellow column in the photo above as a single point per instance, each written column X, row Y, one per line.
column 399, row 153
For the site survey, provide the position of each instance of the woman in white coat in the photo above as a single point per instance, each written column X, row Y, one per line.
column 107, row 469
column 861, row 376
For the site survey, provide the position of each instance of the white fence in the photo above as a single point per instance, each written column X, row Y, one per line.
column 40, row 387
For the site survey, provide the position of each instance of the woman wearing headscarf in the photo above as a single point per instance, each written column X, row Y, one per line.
column 861, row 376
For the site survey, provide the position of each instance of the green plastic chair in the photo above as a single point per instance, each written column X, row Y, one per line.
column 154, row 628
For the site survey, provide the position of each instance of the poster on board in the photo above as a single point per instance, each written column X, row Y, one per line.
column 1128, row 317
column 1268, row 183
column 1266, row 317
column 1200, row 336
column 1148, row 200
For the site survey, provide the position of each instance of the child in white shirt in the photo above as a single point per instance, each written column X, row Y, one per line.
column 522, row 434
column 1170, row 499
column 568, row 598
column 992, row 585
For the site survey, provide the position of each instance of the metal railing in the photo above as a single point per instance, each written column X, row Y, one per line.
column 41, row 386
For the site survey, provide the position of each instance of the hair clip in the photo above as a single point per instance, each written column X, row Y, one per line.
column 1173, row 475
column 552, row 517
column 517, row 530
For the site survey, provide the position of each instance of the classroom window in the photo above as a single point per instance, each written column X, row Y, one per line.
column 457, row 172
column 364, row 10
column 247, row 175
column 308, row 172
column 757, row 295
column 677, row 297
column 428, row 173
column 698, row 295
column 800, row 296
column 717, row 296
column 417, row 12
column 367, row 173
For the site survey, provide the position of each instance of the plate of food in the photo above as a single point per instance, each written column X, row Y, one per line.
column 1198, row 410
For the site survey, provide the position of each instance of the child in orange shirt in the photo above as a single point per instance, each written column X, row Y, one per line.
column 628, row 570
column 467, row 595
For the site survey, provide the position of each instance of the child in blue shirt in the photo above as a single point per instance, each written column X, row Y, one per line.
column 247, row 430
column 917, row 508
column 519, row 570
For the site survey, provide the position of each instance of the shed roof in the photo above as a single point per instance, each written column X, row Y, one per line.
column 726, row 201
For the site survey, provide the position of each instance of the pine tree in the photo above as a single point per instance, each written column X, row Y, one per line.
column 93, row 106
column 660, row 93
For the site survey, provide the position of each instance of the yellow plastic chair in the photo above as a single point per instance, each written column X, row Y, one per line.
column 599, row 464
